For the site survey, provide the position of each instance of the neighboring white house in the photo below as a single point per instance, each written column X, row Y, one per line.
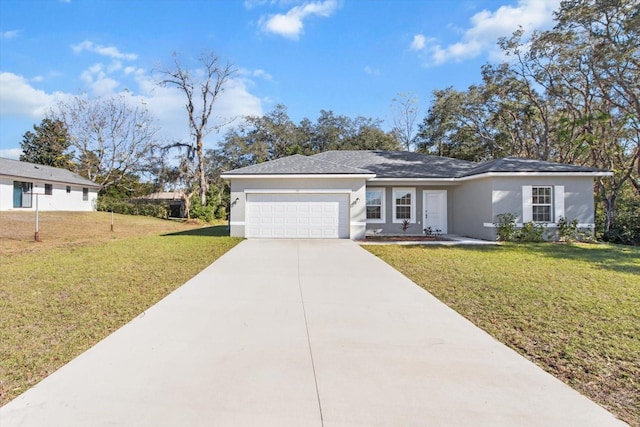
column 59, row 189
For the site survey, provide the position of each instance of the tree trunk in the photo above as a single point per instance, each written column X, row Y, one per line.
column 609, row 208
column 186, row 205
column 202, row 176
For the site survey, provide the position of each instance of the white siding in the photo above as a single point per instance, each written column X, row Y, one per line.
column 59, row 200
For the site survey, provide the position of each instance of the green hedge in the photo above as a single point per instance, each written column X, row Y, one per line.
column 133, row 207
column 626, row 224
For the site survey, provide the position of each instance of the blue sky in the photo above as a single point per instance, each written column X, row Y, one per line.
column 349, row 56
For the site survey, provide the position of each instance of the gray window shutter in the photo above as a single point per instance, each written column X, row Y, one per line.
column 558, row 202
column 527, row 210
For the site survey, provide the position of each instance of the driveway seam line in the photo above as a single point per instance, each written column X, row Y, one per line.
column 306, row 326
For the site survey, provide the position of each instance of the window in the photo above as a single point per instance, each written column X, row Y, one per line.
column 541, row 204
column 22, row 194
column 375, row 205
column 68, row 189
column 404, row 205
column 85, row 194
column 48, row 189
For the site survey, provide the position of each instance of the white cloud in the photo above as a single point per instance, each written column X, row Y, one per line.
column 19, row 99
column 109, row 51
column 236, row 101
column 21, row 102
column 98, row 80
column 133, row 70
column 259, row 73
column 11, row 153
column 250, row 4
column 262, row 74
column 486, row 27
column 167, row 104
column 371, row 71
column 9, row 34
column 290, row 25
column 114, row 66
column 418, row 42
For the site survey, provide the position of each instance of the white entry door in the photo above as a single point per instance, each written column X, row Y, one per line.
column 434, row 203
column 295, row 216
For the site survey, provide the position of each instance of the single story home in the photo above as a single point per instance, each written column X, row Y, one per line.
column 351, row 194
column 57, row 189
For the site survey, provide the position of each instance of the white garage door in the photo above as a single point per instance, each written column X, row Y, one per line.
column 303, row 216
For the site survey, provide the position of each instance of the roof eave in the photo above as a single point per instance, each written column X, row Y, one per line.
column 57, row 181
column 551, row 174
column 451, row 179
column 298, row 176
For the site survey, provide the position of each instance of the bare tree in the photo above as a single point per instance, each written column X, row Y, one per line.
column 405, row 112
column 111, row 138
column 201, row 88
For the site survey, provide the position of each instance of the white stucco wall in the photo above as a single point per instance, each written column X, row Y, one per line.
column 59, row 200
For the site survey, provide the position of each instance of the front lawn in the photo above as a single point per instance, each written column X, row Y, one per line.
column 572, row 309
column 61, row 296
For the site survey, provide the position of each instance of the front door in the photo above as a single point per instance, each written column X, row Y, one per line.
column 434, row 203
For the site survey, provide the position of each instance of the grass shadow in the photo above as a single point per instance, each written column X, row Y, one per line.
column 212, row 231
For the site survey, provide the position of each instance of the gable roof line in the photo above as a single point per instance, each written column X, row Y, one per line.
column 493, row 174
column 406, row 166
column 297, row 165
column 33, row 171
column 295, row 175
column 533, row 173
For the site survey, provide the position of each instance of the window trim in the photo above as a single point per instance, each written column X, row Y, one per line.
column 85, row 194
column 550, row 204
column 48, row 189
column 410, row 190
column 383, row 205
column 29, row 193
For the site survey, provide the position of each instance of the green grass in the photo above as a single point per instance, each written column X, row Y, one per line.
column 572, row 309
column 58, row 302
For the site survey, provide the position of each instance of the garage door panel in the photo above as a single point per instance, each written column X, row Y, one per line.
column 297, row 215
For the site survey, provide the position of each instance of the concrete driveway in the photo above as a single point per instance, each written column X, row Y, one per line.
column 301, row 333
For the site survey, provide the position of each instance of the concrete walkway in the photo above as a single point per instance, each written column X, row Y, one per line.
column 301, row 333
column 450, row 240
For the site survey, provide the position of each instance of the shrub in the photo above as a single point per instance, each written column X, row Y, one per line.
column 221, row 212
column 567, row 230
column 531, row 232
column 133, row 207
column 429, row 232
column 203, row 213
column 506, row 226
column 626, row 224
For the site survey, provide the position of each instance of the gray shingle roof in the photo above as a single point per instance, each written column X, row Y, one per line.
column 516, row 164
column 296, row 165
column 399, row 164
column 27, row 170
